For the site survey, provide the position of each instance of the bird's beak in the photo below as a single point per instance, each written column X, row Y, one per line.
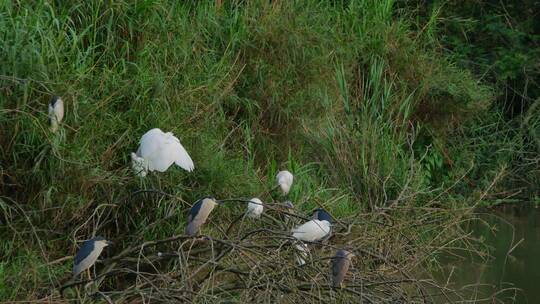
column 109, row 243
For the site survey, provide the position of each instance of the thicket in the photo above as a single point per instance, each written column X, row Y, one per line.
column 358, row 99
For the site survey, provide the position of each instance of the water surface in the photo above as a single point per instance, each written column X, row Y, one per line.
column 515, row 266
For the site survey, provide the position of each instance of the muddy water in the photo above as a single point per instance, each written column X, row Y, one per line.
column 515, row 264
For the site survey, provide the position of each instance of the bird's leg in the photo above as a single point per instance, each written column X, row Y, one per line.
column 89, row 276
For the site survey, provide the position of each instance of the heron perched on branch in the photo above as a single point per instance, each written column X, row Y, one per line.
column 158, row 151
column 199, row 214
column 284, row 180
column 255, row 208
column 88, row 254
column 56, row 112
column 321, row 215
column 312, row 231
column 340, row 265
column 317, row 229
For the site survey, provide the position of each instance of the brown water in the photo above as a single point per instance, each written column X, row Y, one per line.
column 512, row 275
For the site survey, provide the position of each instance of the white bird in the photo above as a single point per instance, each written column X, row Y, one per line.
column 312, row 231
column 255, row 208
column 284, row 180
column 56, row 112
column 158, row 151
column 302, row 254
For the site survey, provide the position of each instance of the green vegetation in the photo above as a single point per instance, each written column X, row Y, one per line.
column 356, row 98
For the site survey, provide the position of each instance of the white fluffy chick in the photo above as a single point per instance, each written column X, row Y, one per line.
column 255, row 208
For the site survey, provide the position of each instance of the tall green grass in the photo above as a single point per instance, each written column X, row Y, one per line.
column 340, row 93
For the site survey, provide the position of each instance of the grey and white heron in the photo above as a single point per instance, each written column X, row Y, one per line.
column 312, row 231
column 321, row 215
column 199, row 214
column 255, row 208
column 88, row 254
column 284, row 180
column 56, row 112
column 158, row 151
column 340, row 265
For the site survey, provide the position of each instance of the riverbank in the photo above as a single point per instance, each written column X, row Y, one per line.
column 377, row 122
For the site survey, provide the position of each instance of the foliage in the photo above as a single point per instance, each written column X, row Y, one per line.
column 346, row 94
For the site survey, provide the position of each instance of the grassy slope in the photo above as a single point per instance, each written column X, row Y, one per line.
column 360, row 108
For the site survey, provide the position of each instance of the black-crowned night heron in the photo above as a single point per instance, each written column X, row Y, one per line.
column 340, row 265
column 158, row 151
column 321, row 215
column 199, row 214
column 311, row 231
column 255, row 208
column 284, row 180
column 56, row 112
column 88, row 254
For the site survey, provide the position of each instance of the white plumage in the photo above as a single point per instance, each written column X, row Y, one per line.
column 284, row 180
column 312, row 231
column 255, row 208
column 302, row 254
column 56, row 112
column 158, row 151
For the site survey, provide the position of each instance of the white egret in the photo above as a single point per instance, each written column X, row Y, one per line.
column 254, row 208
column 284, row 180
column 158, row 151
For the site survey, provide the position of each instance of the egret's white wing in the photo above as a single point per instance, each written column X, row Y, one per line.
column 182, row 158
column 161, row 150
column 153, row 144
column 150, row 143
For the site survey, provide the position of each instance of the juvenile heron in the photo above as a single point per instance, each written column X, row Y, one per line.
column 340, row 265
column 284, row 180
column 88, row 254
column 199, row 214
column 255, row 208
column 56, row 112
column 158, row 151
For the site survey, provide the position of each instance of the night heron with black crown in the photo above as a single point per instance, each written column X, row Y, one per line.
column 199, row 214
column 88, row 255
